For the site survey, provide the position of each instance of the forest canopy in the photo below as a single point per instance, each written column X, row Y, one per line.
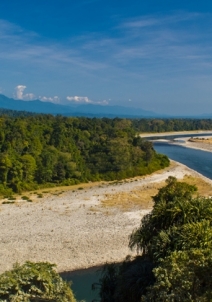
column 171, row 124
column 44, row 150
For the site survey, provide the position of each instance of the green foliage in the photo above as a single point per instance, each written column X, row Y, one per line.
column 175, row 243
column 165, row 125
column 43, row 150
column 173, row 207
column 183, row 276
column 26, row 198
column 34, row 282
column 174, row 190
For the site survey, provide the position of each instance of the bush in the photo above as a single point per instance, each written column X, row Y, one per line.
column 11, row 198
column 25, row 197
column 34, row 282
column 5, row 191
column 8, row 202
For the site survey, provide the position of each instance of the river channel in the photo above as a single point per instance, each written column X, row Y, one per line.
column 198, row 160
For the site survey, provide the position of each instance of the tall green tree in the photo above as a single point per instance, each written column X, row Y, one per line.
column 29, row 167
column 5, row 165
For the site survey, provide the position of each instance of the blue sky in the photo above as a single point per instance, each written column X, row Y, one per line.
column 155, row 54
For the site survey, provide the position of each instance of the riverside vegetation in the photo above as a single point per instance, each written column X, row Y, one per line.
column 171, row 125
column 34, row 282
column 174, row 244
column 42, row 150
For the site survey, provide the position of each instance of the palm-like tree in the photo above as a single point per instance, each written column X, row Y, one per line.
column 173, row 208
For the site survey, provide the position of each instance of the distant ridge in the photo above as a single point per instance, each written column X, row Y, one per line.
column 87, row 110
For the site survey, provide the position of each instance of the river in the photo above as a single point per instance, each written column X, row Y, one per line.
column 82, row 281
column 198, row 160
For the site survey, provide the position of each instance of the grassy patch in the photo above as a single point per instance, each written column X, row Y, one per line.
column 204, row 188
column 142, row 198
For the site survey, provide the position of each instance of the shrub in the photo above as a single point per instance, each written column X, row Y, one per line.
column 8, row 202
column 11, row 198
column 25, row 197
column 34, row 282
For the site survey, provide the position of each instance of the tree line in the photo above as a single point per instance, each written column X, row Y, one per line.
column 165, row 125
column 46, row 150
column 143, row 124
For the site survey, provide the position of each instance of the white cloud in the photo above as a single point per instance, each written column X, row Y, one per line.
column 85, row 100
column 78, row 99
column 54, row 99
column 29, row 97
column 19, row 94
column 19, row 91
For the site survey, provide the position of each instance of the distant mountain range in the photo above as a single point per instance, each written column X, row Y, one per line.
column 87, row 110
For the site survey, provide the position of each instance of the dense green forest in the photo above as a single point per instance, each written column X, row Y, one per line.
column 174, row 245
column 38, row 150
column 164, row 125
column 15, row 113
column 143, row 124
column 44, row 150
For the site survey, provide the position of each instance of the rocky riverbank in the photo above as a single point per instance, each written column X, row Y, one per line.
column 81, row 226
